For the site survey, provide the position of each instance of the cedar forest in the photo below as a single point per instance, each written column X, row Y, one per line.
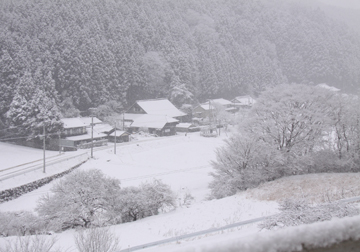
column 61, row 57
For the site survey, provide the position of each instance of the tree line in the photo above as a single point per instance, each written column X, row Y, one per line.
column 61, row 57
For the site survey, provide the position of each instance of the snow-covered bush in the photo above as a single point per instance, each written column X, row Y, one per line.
column 96, row 240
column 20, row 224
column 159, row 196
column 297, row 212
column 242, row 163
column 149, row 199
column 30, row 244
column 80, row 199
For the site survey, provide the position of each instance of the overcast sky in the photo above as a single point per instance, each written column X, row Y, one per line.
column 352, row 4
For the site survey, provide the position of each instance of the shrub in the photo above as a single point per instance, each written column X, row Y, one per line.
column 297, row 212
column 149, row 199
column 96, row 240
column 243, row 163
column 20, row 223
column 80, row 199
column 30, row 244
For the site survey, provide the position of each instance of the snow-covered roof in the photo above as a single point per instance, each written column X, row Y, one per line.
column 152, row 121
column 160, row 107
column 77, row 122
column 132, row 117
column 324, row 85
column 206, row 106
column 87, row 120
column 72, row 123
column 118, row 133
column 103, row 127
column 184, row 125
column 244, row 100
column 87, row 136
column 221, row 101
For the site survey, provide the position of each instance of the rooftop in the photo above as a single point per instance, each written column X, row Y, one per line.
column 160, row 107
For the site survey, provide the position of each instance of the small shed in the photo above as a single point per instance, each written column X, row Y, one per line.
column 84, row 141
column 121, row 136
column 187, row 127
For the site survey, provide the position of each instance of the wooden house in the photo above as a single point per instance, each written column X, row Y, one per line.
column 120, row 136
column 245, row 101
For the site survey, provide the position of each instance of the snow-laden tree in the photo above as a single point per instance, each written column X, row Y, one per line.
column 244, row 162
column 80, row 199
column 344, row 122
column 292, row 118
column 20, row 223
column 148, row 199
column 32, row 108
column 180, row 93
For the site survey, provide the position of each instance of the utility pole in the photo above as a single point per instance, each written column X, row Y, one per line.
column 59, row 142
column 115, row 139
column 123, row 121
column 92, row 134
column 44, row 136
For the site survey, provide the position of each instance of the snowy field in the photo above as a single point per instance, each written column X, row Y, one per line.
column 184, row 163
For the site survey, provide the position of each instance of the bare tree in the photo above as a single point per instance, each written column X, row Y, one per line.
column 96, row 240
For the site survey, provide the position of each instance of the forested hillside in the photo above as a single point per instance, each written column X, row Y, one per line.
column 85, row 53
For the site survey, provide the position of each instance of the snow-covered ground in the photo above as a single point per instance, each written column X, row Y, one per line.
column 184, row 163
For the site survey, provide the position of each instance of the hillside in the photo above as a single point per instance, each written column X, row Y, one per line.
column 82, row 54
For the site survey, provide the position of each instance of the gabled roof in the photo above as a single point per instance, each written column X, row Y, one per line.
column 185, row 125
column 103, row 127
column 87, row 120
column 206, row 106
column 119, row 133
column 72, row 123
column 331, row 88
column 220, row 101
column 160, row 107
column 152, row 121
column 86, row 136
column 244, row 100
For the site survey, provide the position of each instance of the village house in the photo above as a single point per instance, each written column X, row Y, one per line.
column 120, row 136
column 77, row 133
column 207, row 109
column 245, row 101
column 158, row 116
column 187, row 127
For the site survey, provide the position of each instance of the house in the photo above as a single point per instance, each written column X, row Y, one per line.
column 120, row 135
column 158, row 116
column 245, row 101
column 87, row 140
column 207, row 109
column 78, row 133
column 187, row 127
column 156, row 124
column 202, row 111
column 156, row 107
column 73, row 126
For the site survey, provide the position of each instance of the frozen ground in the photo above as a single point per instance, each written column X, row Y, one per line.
column 183, row 162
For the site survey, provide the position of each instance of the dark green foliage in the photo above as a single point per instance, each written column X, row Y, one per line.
column 92, row 52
